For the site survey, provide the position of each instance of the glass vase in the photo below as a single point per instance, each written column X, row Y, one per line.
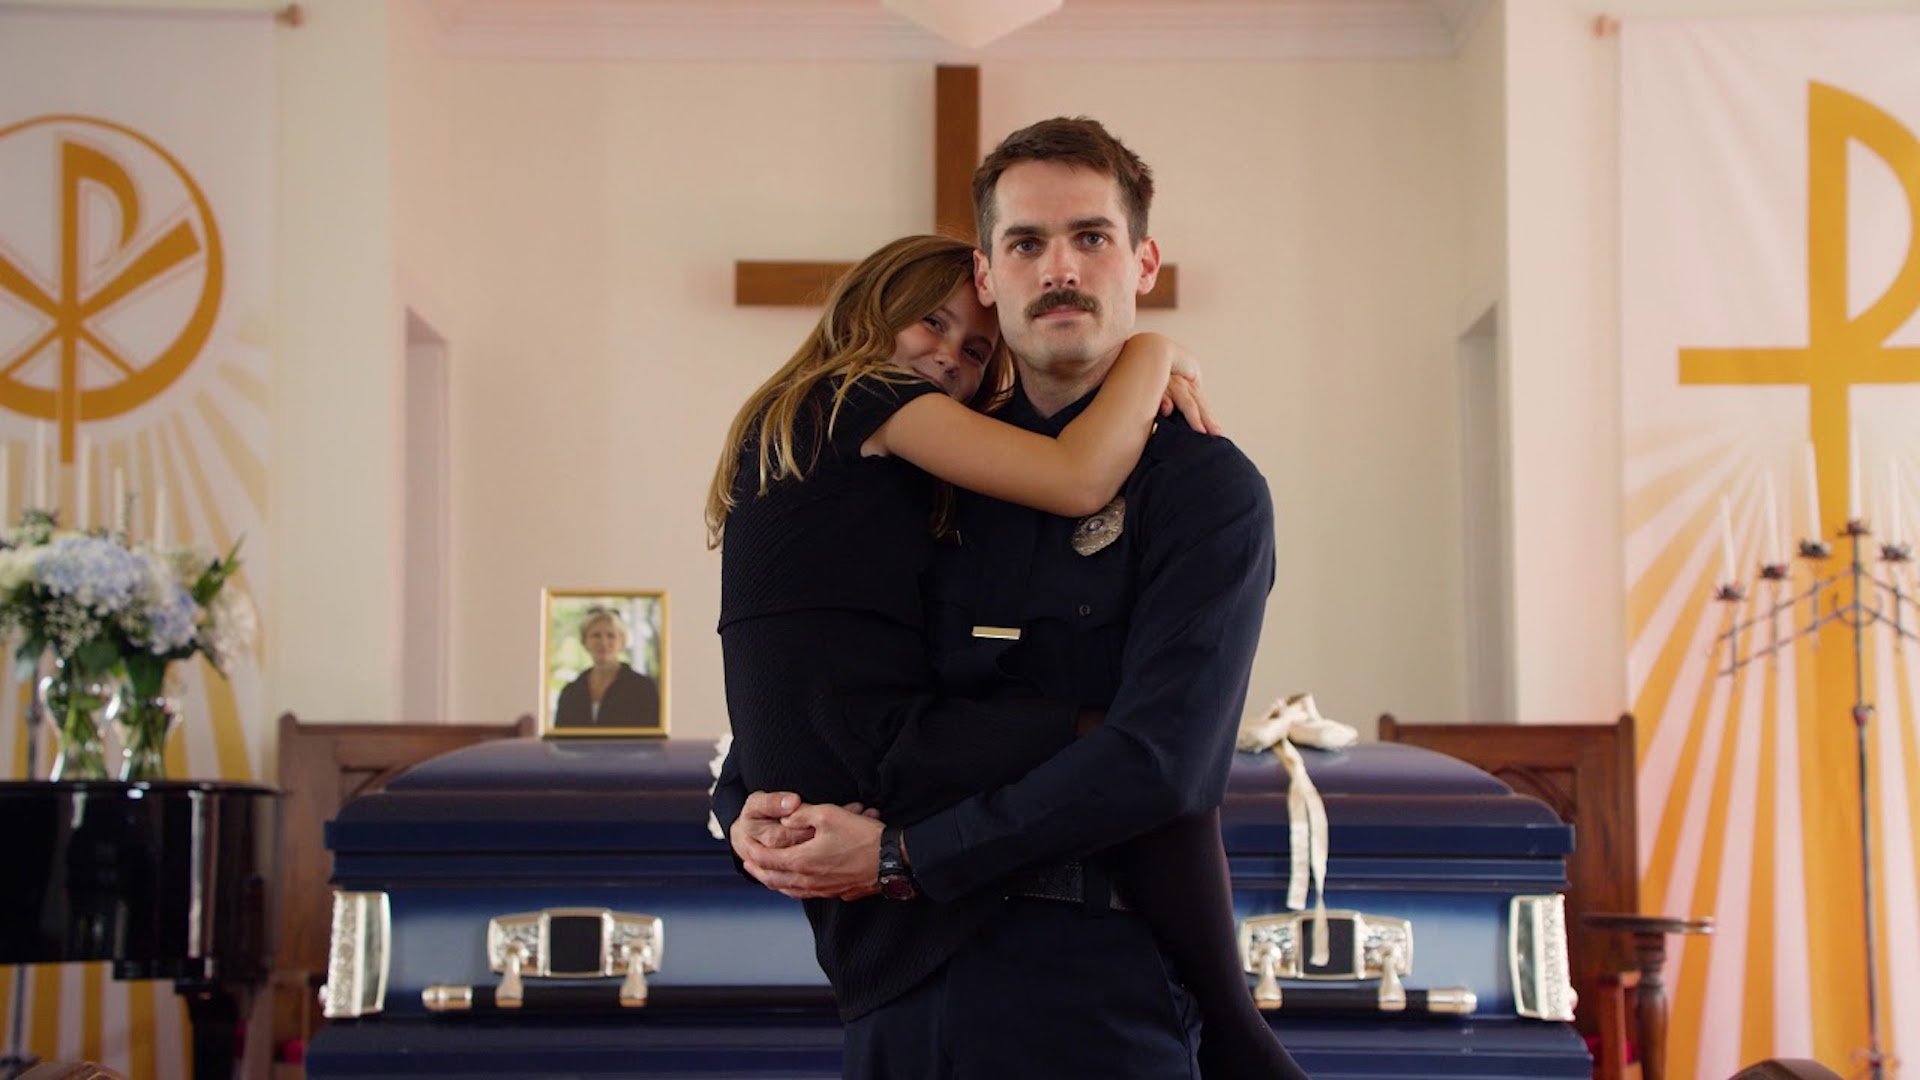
column 145, row 722
column 79, row 704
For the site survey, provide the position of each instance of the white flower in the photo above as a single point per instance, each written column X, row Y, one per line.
column 227, row 630
column 186, row 563
column 16, row 567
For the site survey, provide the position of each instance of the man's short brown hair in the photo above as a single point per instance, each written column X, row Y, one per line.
column 1078, row 141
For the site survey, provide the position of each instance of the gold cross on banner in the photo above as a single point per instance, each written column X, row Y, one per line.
column 1841, row 353
column 956, row 153
column 90, row 156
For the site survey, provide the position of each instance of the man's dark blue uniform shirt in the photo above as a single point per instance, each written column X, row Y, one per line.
column 1159, row 627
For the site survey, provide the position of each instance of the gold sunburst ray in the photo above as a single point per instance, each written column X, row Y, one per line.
column 1650, row 440
column 1692, row 686
column 43, row 1028
column 1677, row 473
column 1906, row 1005
column 188, row 456
column 246, row 383
column 1682, row 652
column 1684, row 526
column 242, row 463
column 1895, row 898
column 1703, row 861
column 1757, row 1012
column 229, row 737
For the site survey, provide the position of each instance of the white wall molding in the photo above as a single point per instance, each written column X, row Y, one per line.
column 1172, row 30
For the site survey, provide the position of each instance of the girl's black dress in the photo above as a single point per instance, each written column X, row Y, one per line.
column 828, row 684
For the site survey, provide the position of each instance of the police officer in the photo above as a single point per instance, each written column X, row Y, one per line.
column 1151, row 608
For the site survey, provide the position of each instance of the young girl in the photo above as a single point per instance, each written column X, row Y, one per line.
column 829, row 515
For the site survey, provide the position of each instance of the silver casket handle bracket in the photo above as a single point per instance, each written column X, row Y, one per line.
column 357, row 955
column 1361, row 948
column 1537, row 957
column 560, row 960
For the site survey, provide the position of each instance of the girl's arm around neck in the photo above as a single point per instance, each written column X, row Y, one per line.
column 1073, row 475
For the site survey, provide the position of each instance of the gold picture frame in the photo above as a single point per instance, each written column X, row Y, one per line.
column 574, row 623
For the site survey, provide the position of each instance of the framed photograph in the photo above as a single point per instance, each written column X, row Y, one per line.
column 603, row 663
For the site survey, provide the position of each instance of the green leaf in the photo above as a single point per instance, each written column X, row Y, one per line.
column 98, row 655
column 146, row 674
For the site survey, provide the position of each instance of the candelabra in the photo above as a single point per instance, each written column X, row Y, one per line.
column 1875, row 598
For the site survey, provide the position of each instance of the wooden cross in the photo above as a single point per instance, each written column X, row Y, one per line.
column 956, row 153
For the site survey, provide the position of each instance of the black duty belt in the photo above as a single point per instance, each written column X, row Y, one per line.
column 1070, row 882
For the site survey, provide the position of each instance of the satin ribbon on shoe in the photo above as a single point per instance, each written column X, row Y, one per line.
column 720, row 747
column 1289, row 721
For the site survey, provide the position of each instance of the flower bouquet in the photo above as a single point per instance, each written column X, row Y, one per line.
column 182, row 607
column 104, row 610
column 64, row 592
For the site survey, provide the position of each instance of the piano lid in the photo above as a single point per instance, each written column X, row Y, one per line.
column 168, row 879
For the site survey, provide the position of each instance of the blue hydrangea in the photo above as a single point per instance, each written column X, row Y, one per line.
column 96, row 573
column 171, row 621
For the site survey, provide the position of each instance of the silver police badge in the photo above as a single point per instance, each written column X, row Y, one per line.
column 1094, row 532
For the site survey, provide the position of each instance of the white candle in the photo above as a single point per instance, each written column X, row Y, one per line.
column 1726, row 541
column 1774, row 553
column 119, row 509
column 1896, row 523
column 1879, row 517
column 83, row 486
column 1853, row 476
column 39, row 466
column 1813, row 496
column 160, row 517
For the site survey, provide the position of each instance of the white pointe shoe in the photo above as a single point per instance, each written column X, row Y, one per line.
column 1296, row 719
column 1318, row 731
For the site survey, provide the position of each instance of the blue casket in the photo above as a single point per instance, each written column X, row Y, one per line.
column 544, row 908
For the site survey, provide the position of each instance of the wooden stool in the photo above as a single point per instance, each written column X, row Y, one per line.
column 1648, row 990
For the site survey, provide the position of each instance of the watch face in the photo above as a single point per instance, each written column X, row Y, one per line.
column 898, row 888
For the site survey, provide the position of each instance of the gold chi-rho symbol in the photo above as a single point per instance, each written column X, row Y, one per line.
column 117, row 270
column 1841, row 352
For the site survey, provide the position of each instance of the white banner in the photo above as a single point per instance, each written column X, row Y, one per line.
column 137, row 179
column 1770, row 205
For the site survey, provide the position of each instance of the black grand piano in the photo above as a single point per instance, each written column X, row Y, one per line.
column 166, row 879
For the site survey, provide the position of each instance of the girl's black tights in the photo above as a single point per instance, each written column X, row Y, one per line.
column 1176, row 877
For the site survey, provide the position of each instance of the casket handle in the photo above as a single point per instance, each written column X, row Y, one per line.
column 633, row 989
column 1362, row 1001
column 1393, row 995
column 1266, row 992
column 441, row 997
column 1369, row 945
column 531, row 945
column 1537, row 953
column 357, row 955
column 512, row 991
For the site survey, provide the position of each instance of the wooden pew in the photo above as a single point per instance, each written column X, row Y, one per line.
column 321, row 767
column 1585, row 773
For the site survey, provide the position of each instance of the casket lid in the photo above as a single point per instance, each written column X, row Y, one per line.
column 651, row 795
column 540, row 795
column 1391, row 799
column 566, row 765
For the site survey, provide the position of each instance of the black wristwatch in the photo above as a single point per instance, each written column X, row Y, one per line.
column 896, row 877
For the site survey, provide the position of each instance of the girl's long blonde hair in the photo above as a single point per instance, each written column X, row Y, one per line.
column 886, row 292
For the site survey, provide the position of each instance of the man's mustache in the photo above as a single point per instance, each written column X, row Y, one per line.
column 1063, row 298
